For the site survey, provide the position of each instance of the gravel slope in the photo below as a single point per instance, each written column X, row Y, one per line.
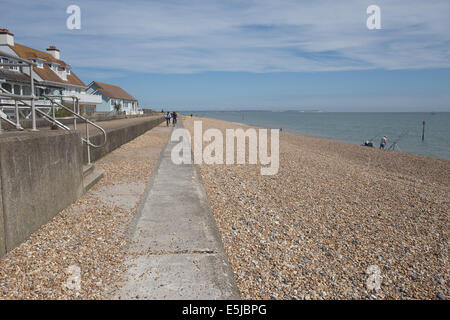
column 333, row 210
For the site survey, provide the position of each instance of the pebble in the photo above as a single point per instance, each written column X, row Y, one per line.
column 441, row 296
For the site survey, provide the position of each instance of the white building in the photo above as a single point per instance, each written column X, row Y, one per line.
column 112, row 95
column 52, row 75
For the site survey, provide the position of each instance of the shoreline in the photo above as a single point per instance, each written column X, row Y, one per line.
column 291, row 131
column 398, row 159
column 333, row 210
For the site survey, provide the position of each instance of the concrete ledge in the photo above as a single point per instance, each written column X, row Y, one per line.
column 119, row 136
column 2, row 229
column 41, row 174
column 91, row 179
column 41, row 123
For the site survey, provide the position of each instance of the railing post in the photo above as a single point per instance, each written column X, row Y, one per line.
column 17, row 115
column 53, row 109
column 33, row 108
column 87, row 143
column 74, row 117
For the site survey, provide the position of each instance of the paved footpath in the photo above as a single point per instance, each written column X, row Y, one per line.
column 176, row 251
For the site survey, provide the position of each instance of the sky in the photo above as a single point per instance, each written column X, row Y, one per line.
column 248, row 54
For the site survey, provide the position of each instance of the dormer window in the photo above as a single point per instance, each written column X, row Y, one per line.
column 54, row 67
column 39, row 64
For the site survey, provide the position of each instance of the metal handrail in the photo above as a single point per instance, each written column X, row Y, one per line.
column 46, row 116
column 51, row 118
column 82, row 118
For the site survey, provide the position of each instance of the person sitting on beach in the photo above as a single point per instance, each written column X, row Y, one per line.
column 168, row 118
column 383, row 142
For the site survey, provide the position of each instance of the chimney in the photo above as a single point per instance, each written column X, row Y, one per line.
column 6, row 38
column 53, row 51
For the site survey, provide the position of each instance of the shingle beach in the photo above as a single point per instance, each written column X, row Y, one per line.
column 333, row 210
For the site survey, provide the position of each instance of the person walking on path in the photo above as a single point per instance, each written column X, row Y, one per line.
column 383, row 142
column 168, row 118
column 174, row 118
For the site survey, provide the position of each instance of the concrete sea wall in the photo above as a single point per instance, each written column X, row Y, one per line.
column 41, row 174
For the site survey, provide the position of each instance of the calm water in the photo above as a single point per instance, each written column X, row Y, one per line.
column 355, row 127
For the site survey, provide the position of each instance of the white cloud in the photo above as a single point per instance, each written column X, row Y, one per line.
column 252, row 36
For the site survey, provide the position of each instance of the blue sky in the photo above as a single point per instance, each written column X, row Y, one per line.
column 203, row 54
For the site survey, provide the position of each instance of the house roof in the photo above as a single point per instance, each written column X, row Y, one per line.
column 46, row 73
column 112, row 91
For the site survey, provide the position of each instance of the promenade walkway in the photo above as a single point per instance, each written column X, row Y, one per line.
column 176, row 252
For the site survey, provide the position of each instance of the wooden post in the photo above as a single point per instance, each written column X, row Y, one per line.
column 423, row 130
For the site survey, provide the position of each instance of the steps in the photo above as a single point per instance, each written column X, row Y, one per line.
column 91, row 176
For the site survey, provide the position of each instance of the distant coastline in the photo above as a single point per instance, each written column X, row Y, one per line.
column 402, row 129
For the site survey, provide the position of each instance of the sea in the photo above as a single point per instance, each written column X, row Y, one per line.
column 403, row 129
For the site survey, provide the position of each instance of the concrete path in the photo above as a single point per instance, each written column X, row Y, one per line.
column 176, row 252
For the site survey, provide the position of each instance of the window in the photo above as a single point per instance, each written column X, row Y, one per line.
column 15, row 68
column 40, row 92
column 16, row 89
column 5, row 60
column 7, row 87
column 26, row 90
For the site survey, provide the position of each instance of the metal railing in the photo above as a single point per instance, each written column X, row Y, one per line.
column 36, row 108
column 77, row 115
column 21, row 104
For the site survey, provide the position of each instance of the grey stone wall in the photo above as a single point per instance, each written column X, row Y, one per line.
column 41, row 174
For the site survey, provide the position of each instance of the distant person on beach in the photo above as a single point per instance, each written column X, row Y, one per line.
column 174, row 118
column 168, row 118
column 383, row 142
